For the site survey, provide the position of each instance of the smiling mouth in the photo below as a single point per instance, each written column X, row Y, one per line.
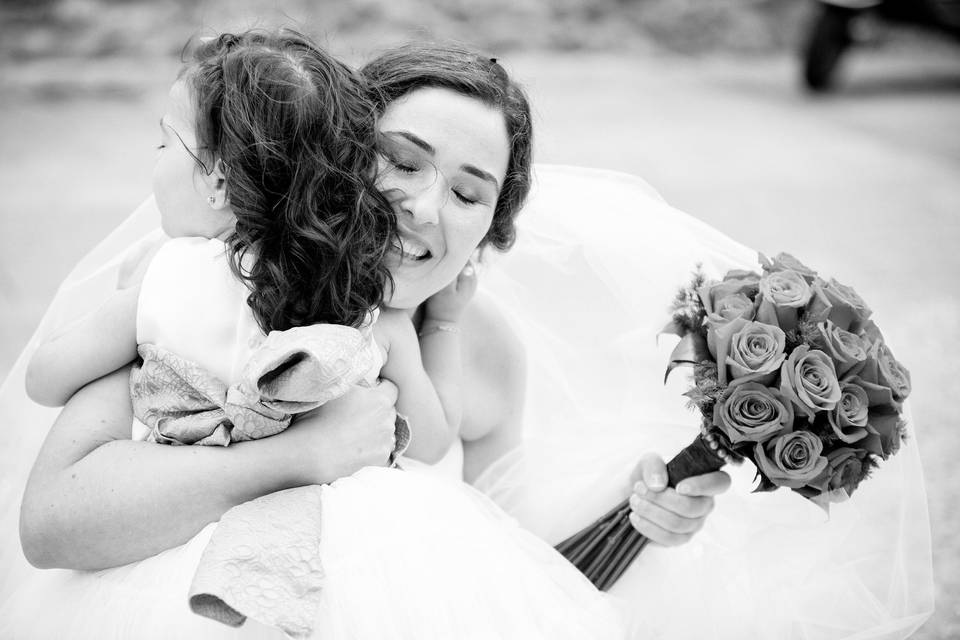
column 412, row 250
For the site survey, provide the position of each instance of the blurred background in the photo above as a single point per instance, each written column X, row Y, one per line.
column 832, row 132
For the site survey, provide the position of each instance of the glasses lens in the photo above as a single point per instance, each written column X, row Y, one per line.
column 405, row 166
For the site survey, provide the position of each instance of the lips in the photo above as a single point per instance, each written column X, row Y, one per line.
column 411, row 248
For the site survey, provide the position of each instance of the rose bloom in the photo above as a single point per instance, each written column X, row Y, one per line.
column 847, row 349
column 784, row 261
column 885, row 430
column 783, row 295
column 838, row 303
column 750, row 350
column 712, row 293
column 733, row 306
column 845, row 468
column 849, row 418
column 891, row 373
column 753, row 413
column 792, row 460
column 742, row 274
column 809, row 379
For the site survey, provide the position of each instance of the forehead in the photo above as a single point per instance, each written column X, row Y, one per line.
column 179, row 111
column 461, row 129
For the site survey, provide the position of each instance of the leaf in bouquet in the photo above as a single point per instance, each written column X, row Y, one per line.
column 808, row 332
column 764, row 483
column 793, row 339
column 687, row 308
column 691, row 349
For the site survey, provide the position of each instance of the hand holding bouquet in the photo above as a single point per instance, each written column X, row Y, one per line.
column 790, row 373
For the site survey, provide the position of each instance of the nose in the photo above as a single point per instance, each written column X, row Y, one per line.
column 424, row 206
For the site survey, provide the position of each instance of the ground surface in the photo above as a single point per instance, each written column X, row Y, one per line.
column 864, row 185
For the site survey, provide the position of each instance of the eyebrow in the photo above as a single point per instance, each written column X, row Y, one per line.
column 480, row 173
column 466, row 168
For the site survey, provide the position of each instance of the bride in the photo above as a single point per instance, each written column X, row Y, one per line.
column 582, row 294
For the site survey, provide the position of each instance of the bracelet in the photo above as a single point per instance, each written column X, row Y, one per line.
column 446, row 327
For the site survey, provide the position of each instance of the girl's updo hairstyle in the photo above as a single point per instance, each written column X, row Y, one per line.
column 292, row 130
column 404, row 69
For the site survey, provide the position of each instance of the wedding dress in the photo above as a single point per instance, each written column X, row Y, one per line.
column 385, row 553
column 587, row 287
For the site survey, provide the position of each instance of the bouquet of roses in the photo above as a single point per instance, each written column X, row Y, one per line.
column 790, row 373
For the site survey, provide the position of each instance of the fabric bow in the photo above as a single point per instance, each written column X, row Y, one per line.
column 292, row 372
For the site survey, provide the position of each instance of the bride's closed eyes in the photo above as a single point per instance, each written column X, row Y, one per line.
column 411, row 168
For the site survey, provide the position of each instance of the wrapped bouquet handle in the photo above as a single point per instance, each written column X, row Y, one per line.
column 604, row 550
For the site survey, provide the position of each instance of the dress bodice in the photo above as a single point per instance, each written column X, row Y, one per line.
column 192, row 304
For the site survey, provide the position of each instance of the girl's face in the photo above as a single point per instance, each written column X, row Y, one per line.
column 443, row 160
column 181, row 187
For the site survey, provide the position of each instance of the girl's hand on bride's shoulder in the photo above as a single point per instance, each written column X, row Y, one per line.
column 344, row 435
column 448, row 304
column 671, row 516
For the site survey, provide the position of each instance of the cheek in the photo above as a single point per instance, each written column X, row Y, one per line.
column 463, row 235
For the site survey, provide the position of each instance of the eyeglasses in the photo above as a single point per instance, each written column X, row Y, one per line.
column 408, row 169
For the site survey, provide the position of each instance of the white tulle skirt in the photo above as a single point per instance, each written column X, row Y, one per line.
column 406, row 555
column 587, row 287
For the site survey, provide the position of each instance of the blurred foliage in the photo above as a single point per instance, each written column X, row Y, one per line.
column 36, row 29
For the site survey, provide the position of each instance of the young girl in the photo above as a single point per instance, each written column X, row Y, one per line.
column 264, row 179
column 264, row 305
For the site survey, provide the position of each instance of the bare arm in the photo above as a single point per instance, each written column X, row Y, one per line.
column 429, row 373
column 433, row 421
column 97, row 499
column 95, row 345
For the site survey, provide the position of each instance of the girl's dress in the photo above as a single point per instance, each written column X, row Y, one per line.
column 587, row 287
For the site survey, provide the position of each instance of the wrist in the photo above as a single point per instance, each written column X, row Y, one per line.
column 432, row 324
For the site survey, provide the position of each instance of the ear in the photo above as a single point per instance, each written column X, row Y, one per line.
column 217, row 183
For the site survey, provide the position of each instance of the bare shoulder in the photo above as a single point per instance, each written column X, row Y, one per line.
column 494, row 365
column 392, row 327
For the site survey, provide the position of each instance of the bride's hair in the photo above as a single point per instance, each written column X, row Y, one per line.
column 292, row 129
column 404, row 69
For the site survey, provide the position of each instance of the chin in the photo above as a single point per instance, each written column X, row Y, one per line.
column 404, row 299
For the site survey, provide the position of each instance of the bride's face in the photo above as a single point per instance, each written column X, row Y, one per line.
column 180, row 185
column 443, row 160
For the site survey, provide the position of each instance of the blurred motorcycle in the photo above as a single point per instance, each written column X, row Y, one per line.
column 831, row 31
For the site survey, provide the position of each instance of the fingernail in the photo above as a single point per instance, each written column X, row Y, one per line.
column 640, row 488
column 658, row 481
column 683, row 489
column 634, row 500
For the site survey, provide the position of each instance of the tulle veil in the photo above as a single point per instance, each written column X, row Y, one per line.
column 598, row 259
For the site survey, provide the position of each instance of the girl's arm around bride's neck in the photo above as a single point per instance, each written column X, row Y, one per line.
column 97, row 499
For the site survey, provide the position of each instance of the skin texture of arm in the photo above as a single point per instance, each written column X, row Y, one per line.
column 95, row 345
column 97, row 499
column 434, row 419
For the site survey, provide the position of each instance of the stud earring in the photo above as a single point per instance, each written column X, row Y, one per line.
column 212, row 200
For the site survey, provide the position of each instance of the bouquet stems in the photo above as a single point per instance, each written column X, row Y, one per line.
column 604, row 549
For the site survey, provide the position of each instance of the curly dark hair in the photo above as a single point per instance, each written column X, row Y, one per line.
column 404, row 69
column 293, row 131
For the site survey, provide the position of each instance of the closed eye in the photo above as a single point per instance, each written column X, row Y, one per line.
column 465, row 199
